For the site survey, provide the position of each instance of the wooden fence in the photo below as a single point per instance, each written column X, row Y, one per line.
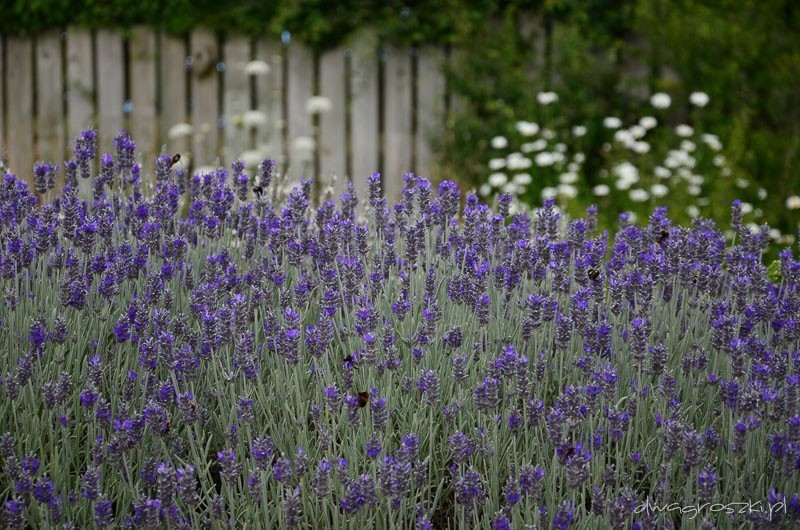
column 386, row 103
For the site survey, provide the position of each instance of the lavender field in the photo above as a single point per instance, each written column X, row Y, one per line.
column 216, row 351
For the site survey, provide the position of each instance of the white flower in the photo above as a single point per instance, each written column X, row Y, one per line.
column 719, row 160
column 688, row 146
column 252, row 158
column 516, row 161
column 579, row 158
column 510, row 188
column 549, row 192
column 567, row 190
column 568, row 178
column 694, row 190
column 747, row 208
column 641, row 147
column 793, row 202
column 601, row 190
column 775, row 234
column 684, row 130
column 698, row 99
column 548, row 134
column 318, row 105
column 638, row 195
column 546, row 98
column 573, row 166
column 256, row 68
column 538, row 145
column 527, row 128
column 254, row 118
column 662, row 172
column 626, row 171
column 560, row 148
column 726, row 172
column 693, row 210
column 762, row 194
column 497, row 163
column 612, row 122
column 623, row 184
column 545, row 159
column 179, row 130
column 522, row 179
column 696, row 180
column 578, row 131
column 703, row 201
column 659, row 190
column 498, row 179
column 632, row 217
column 712, row 141
column 660, row 100
column 499, row 142
column 637, row 132
column 648, row 122
column 485, row 190
column 624, row 137
column 742, row 183
column 303, row 147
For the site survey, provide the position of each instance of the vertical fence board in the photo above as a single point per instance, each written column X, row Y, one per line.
column 143, row 123
column 269, row 98
column 173, row 98
column 3, row 153
column 332, row 133
column 430, row 108
column 397, row 121
column 300, row 87
column 110, row 87
column 364, row 140
column 80, row 90
column 236, row 100
column 205, row 102
column 50, row 95
column 19, row 84
column 269, row 90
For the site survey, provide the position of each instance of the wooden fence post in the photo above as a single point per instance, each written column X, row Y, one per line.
column 19, row 84
column 110, row 88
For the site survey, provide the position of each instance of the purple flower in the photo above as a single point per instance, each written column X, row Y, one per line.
column 360, row 494
column 373, row 447
column 564, row 516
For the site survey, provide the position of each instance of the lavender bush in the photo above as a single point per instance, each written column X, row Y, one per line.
column 266, row 363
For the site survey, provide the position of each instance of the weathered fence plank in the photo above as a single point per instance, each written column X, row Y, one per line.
column 269, row 96
column 50, row 96
column 80, row 90
column 236, row 99
column 269, row 99
column 205, row 102
column 364, row 111
column 143, row 91
column 3, row 153
column 430, row 108
column 332, row 130
column 299, row 87
column 397, row 121
column 110, row 87
column 19, row 84
column 176, row 131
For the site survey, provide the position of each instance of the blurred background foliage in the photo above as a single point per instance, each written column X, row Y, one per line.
column 603, row 58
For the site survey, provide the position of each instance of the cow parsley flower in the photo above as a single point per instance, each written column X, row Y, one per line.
column 698, row 99
column 660, row 100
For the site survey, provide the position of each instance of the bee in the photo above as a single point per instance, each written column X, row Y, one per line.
column 174, row 160
column 593, row 273
column 349, row 359
column 664, row 235
column 258, row 190
column 363, row 399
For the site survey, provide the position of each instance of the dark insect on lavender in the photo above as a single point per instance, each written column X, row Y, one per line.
column 174, row 160
column 258, row 190
column 348, row 359
column 593, row 273
column 363, row 399
column 664, row 236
